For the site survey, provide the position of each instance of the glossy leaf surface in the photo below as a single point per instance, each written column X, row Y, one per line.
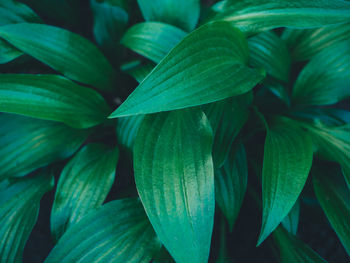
column 152, row 40
column 19, row 208
column 175, row 180
column 12, row 12
column 28, row 144
column 181, row 13
column 188, row 75
column 68, row 53
column 253, row 16
column 287, row 161
column 52, row 97
column 83, row 185
column 117, row 232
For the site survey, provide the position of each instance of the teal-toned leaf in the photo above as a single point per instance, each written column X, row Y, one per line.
column 287, row 161
column 291, row 221
column 12, row 12
column 334, row 197
column 127, row 129
column 137, row 70
column 326, row 78
column 305, row 43
column 110, row 21
column 28, row 144
column 293, row 250
column 231, row 184
column 206, row 66
column 52, row 97
column 253, row 16
column 8, row 52
column 117, row 232
column 175, row 180
column 19, row 208
column 152, row 40
column 181, row 13
column 64, row 51
column 227, row 117
column 267, row 50
column 83, row 186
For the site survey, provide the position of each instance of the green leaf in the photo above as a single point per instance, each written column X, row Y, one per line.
column 287, row 161
column 267, row 50
column 293, row 250
column 110, row 22
column 152, row 40
column 227, row 118
column 334, row 197
column 12, row 12
column 8, row 52
column 181, row 13
column 62, row 100
column 231, row 184
column 206, row 66
column 254, row 16
column 117, row 232
column 137, row 70
column 68, row 53
column 19, row 209
column 175, row 180
column 326, row 78
column 28, row 144
column 305, row 43
column 83, row 186
column 291, row 221
column 127, row 129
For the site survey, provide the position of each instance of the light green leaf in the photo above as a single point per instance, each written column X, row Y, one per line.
column 293, row 250
column 110, row 21
column 127, row 129
column 291, row 221
column 8, row 52
column 12, row 12
column 117, row 232
column 253, row 16
column 152, row 40
column 83, row 186
column 68, row 53
column 175, row 180
column 52, row 97
column 231, row 184
column 326, row 78
column 305, row 43
column 334, row 197
column 28, row 144
column 19, row 208
column 227, row 118
column 287, row 161
column 181, row 13
column 206, row 66
column 267, row 50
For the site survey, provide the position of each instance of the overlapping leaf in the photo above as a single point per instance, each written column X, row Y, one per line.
column 117, row 232
column 287, row 161
column 267, row 50
column 8, row 52
column 175, row 180
column 152, row 40
column 305, row 43
column 64, row 51
column 227, row 117
column 137, row 70
column 326, row 78
column 334, row 197
column 206, row 66
column 231, row 184
column 52, row 97
column 181, row 13
column 19, row 208
column 12, row 12
column 253, row 16
column 83, row 185
column 293, row 250
column 28, row 144
column 291, row 221
column 127, row 129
